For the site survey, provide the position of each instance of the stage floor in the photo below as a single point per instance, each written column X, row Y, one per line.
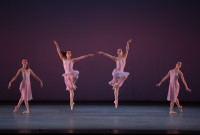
column 100, row 117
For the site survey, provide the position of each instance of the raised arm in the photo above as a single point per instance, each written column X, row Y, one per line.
column 81, row 57
column 165, row 78
column 108, row 55
column 36, row 77
column 58, row 50
column 14, row 78
column 184, row 82
column 127, row 47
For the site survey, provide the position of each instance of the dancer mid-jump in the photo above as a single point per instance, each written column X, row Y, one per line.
column 119, row 76
column 173, row 90
column 25, row 85
column 70, row 75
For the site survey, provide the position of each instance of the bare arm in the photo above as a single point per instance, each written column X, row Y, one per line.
column 184, row 82
column 58, row 50
column 36, row 77
column 165, row 78
column 14, row 78
column 127, row 47
column 81, row 57
column 108, row 55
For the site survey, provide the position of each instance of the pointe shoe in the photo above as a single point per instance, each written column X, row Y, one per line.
column 16, row 108
column 180, row 109
column 26, row 112
column 72, row 105
column 172, row 112
column 116, row 104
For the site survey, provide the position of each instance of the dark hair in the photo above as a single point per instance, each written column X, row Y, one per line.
column 63, row 53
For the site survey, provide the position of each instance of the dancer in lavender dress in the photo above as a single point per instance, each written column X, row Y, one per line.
column 70, row 75
column 119, row 76
column 173, row 90
column 25, row 85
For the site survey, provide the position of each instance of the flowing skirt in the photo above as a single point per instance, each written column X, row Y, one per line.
column 68, row 84
column 117, row 75
column 173, row 91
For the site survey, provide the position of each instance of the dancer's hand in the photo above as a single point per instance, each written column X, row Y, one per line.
column 90, row 54
column 41, row 84
column 99, row 52
column 189, row 90
column 158, row 85
column 9, row 85
column 129, row 41
column 55, row 43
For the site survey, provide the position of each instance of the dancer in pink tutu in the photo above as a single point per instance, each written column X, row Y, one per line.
column 173, row 90
column 25, row 85
column 119, row 76
column 70, row 75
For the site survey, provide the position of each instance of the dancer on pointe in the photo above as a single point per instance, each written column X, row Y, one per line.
column 173, row 90
column 25, row 85
column 119, row 76
column 70, row 75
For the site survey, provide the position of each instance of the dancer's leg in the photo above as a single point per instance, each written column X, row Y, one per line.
column 179, row 106
column 116, row 92
column 116, row 85
column 18, row 105
column 71, row 81
column 71, row 98
column 115, row 95
column 27, row 107
column 171, row 108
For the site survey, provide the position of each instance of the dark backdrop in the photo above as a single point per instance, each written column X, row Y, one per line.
column 164, row 32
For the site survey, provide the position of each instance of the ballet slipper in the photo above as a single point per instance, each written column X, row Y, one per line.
column 116, row 104
column 26, row 112
column 16, row 108
column 72, row 105
column 172, row 112
column 180, row 109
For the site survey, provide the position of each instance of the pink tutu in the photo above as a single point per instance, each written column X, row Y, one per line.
column 118, row 75
column 68, row 84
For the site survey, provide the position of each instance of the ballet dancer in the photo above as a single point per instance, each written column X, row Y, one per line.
column 173, row 90
column 25, row 85
column 70, row 75
column 119, row 76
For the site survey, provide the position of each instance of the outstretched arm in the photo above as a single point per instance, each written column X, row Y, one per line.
column 108, row 55
column 58, row 50
column 14, row 78
column 127, row 47
column 81, row 57
column 165, row 78
column 36, row 77
column 184, row 82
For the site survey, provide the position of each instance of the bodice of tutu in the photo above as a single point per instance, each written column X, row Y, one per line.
column 68, row 66
column 120, row 64
column 174, row 76
column 25, row 86
column 26, row 76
